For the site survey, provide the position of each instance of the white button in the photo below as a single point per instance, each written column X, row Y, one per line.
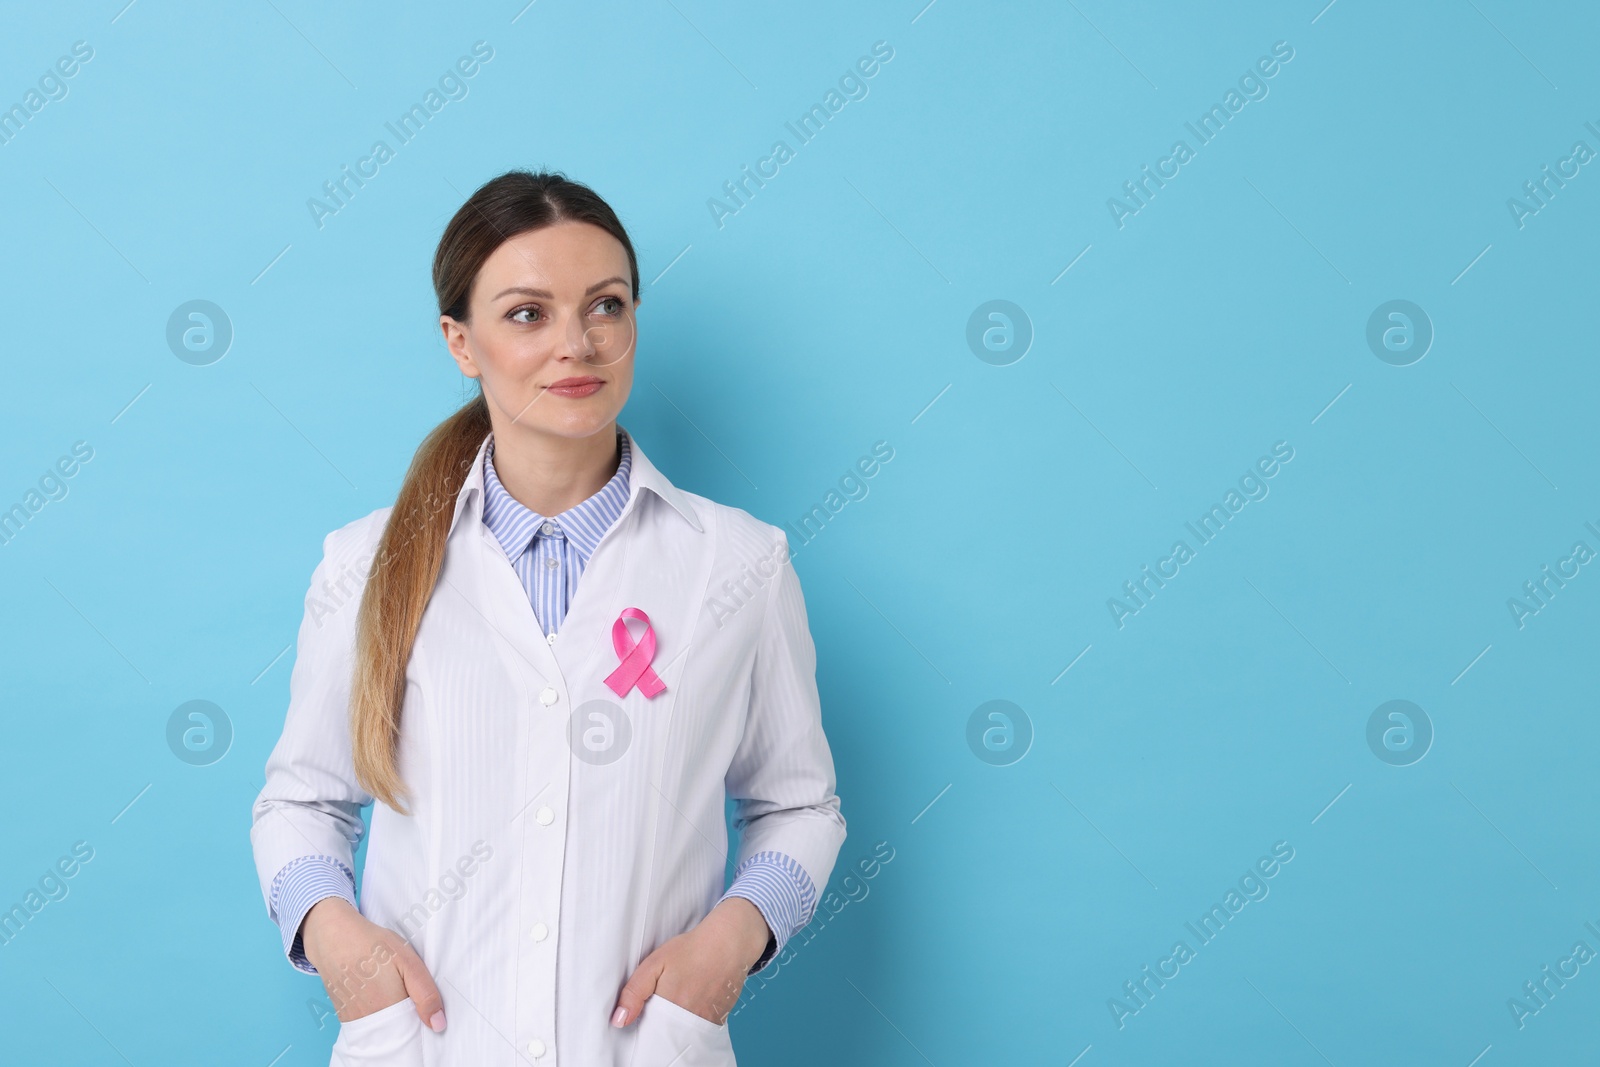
column 550, row 638
column 540, row 931
column 536, row 1048
column 545, row 815
column 549, row 527
column 550, row 562
column 549, row 696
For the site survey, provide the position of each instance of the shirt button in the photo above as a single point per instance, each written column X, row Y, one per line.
column 544, row 815
column 550, row 639
column 540, row 931
column 549, row 527
column 549, row 696
column 536, row 1048
column 550, row 562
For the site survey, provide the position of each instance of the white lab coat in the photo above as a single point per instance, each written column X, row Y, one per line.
column 532, row 875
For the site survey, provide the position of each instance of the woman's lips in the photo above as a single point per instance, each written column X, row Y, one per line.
column 575, row 387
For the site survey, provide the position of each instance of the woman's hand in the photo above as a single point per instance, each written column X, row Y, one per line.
column 366, row 967
column 702, row 970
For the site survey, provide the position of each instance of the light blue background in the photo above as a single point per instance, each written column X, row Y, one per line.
column 828, row 314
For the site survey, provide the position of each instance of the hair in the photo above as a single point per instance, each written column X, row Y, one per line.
column 410, row 553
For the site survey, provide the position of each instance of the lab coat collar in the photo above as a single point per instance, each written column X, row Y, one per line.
column 644, row 476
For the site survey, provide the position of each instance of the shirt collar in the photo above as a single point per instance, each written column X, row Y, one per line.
column 515, row 525
column 643, row 475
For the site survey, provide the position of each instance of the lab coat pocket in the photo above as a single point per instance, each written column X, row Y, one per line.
column 389, row 1037
column 673, row 1035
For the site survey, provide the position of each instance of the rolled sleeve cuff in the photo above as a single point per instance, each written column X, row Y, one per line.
column 782, row 891
column 299, row 885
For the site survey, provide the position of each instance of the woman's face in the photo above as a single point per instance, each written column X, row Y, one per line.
column 550, row 331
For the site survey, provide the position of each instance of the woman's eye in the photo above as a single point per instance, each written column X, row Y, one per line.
column 611, row 306
column 515, row 315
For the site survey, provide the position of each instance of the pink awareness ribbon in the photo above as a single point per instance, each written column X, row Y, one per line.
column 635, row 666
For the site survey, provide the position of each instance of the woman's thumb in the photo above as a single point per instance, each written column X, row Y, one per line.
column 420, row 988
column 630, row 1002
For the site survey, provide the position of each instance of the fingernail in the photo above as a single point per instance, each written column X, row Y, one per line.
column 619, row 1016
column 437, row 1022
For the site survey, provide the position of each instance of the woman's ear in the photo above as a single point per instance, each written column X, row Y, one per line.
column 455, row 340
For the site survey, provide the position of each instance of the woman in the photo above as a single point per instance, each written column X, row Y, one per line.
column 548, row 760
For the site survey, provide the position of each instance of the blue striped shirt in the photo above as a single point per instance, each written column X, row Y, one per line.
column 549, row 555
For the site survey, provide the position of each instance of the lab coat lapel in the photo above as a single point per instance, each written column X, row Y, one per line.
column 654, row 558
column 506, row 608
column 492, row 593
column 657, row 571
